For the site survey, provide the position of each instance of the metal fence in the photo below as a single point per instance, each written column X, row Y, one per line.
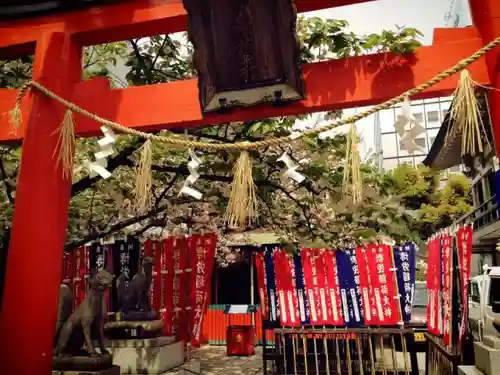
column 440, row 360
column 370, row 351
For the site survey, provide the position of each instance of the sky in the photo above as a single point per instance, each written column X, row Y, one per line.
column 375, row 16
column 424, row 15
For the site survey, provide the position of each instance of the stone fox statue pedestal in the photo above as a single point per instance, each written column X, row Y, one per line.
column 74, row 350
column 135, row 332
column 134, row 318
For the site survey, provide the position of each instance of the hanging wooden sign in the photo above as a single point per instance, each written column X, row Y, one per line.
column 245, row 52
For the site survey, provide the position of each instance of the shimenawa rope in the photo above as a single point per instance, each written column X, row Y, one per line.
column 241, row 146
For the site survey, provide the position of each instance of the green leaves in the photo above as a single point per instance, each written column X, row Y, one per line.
column 398, row 204
column 325, row 39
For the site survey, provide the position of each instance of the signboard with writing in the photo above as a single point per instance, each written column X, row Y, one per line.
column 351, row 305
column 433, row 285
column 126, row 264
column 81, row 262
column 368, row 280
column 153, row 249
column 300, row 285
column 286, row 291
column 202, row 255
column 262, row 284
column 404, row 258
column 167, row 281
column 447, row 287
column 271, row 284
column 385, row 288
column 464, row 245
column 335, row 316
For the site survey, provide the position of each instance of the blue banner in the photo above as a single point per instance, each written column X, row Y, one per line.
column 350, row 294
column 404, row 259
column 301, row 290
column 274, row 314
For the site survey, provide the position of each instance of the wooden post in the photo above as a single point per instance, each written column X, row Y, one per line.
column 486, row 19
column 252, row 286
column 34, row 264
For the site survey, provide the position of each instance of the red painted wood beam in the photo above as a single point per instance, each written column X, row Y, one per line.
column 331, row 85
column 27, row 338
column 130, row 19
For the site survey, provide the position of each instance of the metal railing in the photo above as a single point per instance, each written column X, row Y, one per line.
column 486, row 214
column 439, row 360
column 370, row 351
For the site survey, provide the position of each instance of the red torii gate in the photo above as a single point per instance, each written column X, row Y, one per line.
column 27, row 325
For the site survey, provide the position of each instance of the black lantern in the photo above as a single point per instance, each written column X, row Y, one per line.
column 245, row 52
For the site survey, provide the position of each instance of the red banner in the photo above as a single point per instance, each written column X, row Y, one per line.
column 433, row 285
column 153, row 249
column 179, row 293
column 315, row 283
column 285, row 286
column 109, row 268
column 167, row 279
column 447, row 287
column 81, row 268
column 464, row 244
column 333, row 289
column 262, row 284
column 68, row 270
column 383, row 278
column 202, row 255
column 368, row 282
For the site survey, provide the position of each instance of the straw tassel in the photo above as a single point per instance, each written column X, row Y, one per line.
column 15, row 118
column 466, row 115
column 242, row 209
column 15, row 114
column 352, row 180
column 144, row 178
column 66, row 145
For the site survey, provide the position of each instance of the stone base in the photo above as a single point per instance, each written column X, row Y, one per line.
column 487, row 358
column 469, row 370
column 492, row 341
column 147, row 356
column 114, row 370
column 82, row 363
column 133, row 329
column 143, row 316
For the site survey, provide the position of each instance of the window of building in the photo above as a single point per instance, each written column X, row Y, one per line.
column 418, row 117
column 389, row 145
column 431, row 136
column 406, row 161
column 419, row 159
column 387, row 120
column 389, row 164
column 432, row 117
column 419, row 141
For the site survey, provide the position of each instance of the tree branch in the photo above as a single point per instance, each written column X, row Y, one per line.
column 113, row 163
column 112, row 229
column 8, row 187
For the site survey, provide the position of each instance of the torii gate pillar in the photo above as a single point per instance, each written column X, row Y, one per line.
column 486, row 19
column 33, row 276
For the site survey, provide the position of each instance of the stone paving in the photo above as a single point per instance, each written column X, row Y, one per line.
column 213, row 361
